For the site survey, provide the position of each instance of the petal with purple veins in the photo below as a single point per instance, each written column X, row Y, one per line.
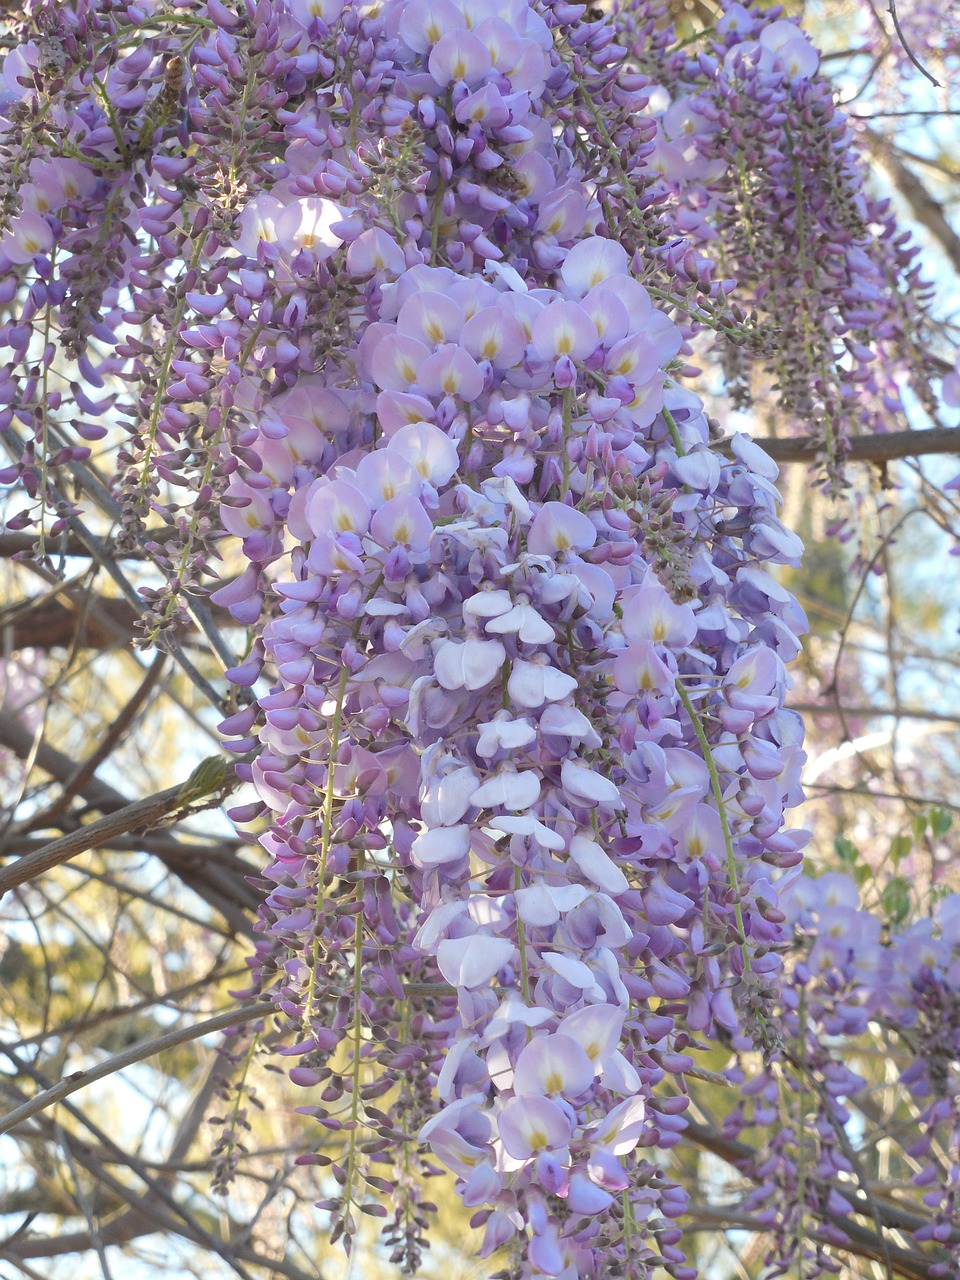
column 530, row 1125
column 557, row 527
column 592, row 261
column 553, row 1064
column 564, row 329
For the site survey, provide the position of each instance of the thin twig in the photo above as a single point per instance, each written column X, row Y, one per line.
column 111, row 738
column 133, row 817
column 233, row 1017
column 873, row 448
column 892, row 10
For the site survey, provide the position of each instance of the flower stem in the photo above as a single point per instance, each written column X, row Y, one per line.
column 724, row 821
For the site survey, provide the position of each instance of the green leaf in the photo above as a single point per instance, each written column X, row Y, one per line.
column 896, row 899
column 919, row 827
column 845, row 850
column 900, row 846
column 941, row 820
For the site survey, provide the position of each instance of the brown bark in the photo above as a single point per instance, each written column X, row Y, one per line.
column 221, row 879
column 878, row 449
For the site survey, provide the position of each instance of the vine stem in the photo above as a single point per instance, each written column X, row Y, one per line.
column 569, row 395
column 674, row 431
column 717, row 790
column 327, row 825
column 522, row 942
column 348, row 1196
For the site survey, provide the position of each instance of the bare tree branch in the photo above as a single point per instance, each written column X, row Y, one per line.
column 927, row 211
column 232, row 1017
column 878, row 449
column 892, row 10
column 220, row 880
column 138, row 816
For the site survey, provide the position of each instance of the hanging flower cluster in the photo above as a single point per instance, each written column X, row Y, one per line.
column 387, row 292
column 758, row 157
column 528, row 659
column 850, row 970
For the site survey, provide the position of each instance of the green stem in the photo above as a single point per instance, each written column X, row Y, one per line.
column 692, row 39
column 569, row 395
column 435, row 227
column 326, row 828
column 348, row 1196
column 104, row 100
column 724, row 822
column 674, row 431
column 44, row 436
column 801, row 1147
column 522, row 943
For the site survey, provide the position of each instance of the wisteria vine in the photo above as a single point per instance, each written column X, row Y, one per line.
column 405, row 298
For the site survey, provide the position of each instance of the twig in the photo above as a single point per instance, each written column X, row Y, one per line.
column 892, row 10
column 927, row 211
column 137, row 816
column 903, row 713
column 136, row 1053
column 111, row 738
column 875, row 448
